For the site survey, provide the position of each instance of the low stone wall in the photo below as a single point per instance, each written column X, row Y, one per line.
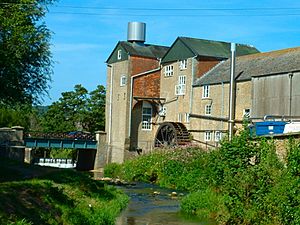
column 11, row 143
column 281, row 143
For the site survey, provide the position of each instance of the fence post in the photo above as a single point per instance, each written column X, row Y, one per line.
column 101, row 154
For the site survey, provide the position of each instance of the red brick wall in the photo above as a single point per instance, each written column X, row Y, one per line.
column 146, row 85
column 140, row 64
column 205, row 64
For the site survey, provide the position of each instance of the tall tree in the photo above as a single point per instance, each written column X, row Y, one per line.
column 97, row 109
column 25, row 58
column 77, row 110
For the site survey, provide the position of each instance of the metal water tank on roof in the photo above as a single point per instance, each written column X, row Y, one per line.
column 136, row 32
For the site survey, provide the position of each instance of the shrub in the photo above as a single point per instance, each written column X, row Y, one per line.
column 242, row 182
column 206, row 204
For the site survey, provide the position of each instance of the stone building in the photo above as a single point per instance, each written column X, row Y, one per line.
column 266, row 84
column 150, row 93
column 133, row 72
column 187, row 60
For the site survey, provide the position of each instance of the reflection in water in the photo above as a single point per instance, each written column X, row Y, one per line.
column 147, row 207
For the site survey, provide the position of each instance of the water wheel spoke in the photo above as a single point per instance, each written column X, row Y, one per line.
column 170, row 134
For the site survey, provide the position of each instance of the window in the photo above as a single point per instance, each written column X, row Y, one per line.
column 205, row 93
column 146, row 116
column 187, row 117
column 180, row 88
column 246, row 113
column 207, row 136
column 169, row 71
column 218, row 136
column 123, row 80
column 179, row 117
column 208, row 109
column 119, row 54
column 183, row 64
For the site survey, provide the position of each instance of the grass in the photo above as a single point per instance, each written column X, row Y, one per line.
column 34, row 195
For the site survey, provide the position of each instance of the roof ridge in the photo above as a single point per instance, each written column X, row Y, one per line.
column 147, row 45
column 274, row 52
column 226, row 42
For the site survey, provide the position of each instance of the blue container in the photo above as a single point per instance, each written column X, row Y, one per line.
column 269, row 127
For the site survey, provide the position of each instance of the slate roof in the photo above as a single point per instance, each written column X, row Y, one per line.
column 210, row 48
column 219, row 49
column 254, row 65
column 146, row 50
column 137, row 49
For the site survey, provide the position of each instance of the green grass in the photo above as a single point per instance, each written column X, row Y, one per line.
column 55, row 197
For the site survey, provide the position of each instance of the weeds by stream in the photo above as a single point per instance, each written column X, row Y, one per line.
column 242, row 182
column 33, row 195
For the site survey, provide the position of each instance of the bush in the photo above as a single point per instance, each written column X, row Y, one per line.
column 242, row 182
column 206, row 204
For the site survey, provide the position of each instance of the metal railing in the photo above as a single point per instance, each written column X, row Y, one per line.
column 61, row 135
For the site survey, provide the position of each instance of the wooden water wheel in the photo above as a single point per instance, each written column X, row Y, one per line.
column 171, row 134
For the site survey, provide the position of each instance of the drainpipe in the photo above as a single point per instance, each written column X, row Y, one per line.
column 222, row 105
column 131, row 94
column 291, row 92
column 110, row 104
column 192, row 89
column 231, row 93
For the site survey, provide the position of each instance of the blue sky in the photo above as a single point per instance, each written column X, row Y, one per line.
column 86, row 31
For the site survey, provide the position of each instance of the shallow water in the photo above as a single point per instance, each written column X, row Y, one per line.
column 152, row 205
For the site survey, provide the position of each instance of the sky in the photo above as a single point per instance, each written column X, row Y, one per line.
column 85, row 32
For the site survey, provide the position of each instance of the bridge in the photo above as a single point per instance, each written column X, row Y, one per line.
column 19, row 145
column 76, row 140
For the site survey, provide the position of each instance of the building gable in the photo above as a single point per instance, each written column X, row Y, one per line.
column 178, row 51
column 113, row 58
column 136, row 49
column 186, row 47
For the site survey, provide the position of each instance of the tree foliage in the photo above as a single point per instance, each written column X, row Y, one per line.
column 25, row 58
column 77, row 110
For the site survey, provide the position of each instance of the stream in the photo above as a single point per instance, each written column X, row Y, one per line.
column 152, row 205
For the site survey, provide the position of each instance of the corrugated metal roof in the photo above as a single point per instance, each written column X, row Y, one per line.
column 202, row 47
column 260, row 64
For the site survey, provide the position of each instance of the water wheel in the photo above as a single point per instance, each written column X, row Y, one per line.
column 171, row 134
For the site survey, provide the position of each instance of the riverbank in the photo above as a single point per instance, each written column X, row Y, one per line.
column 242, row 182
column 35, row 195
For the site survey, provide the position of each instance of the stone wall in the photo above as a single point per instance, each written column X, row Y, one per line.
column 11, row 143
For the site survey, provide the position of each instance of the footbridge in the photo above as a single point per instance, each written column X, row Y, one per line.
column 76, row 140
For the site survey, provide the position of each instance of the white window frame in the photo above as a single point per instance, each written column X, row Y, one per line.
column 180, row 87
column 208, row 109
column 207, row 136
column 183, row 64
column 218, row 136
column 187, row 117
column 123, row 80
column 247, row 114
column 179, row 117
column 119, row 55
column 146, row 122
column 169, row 71
column 205, row 91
